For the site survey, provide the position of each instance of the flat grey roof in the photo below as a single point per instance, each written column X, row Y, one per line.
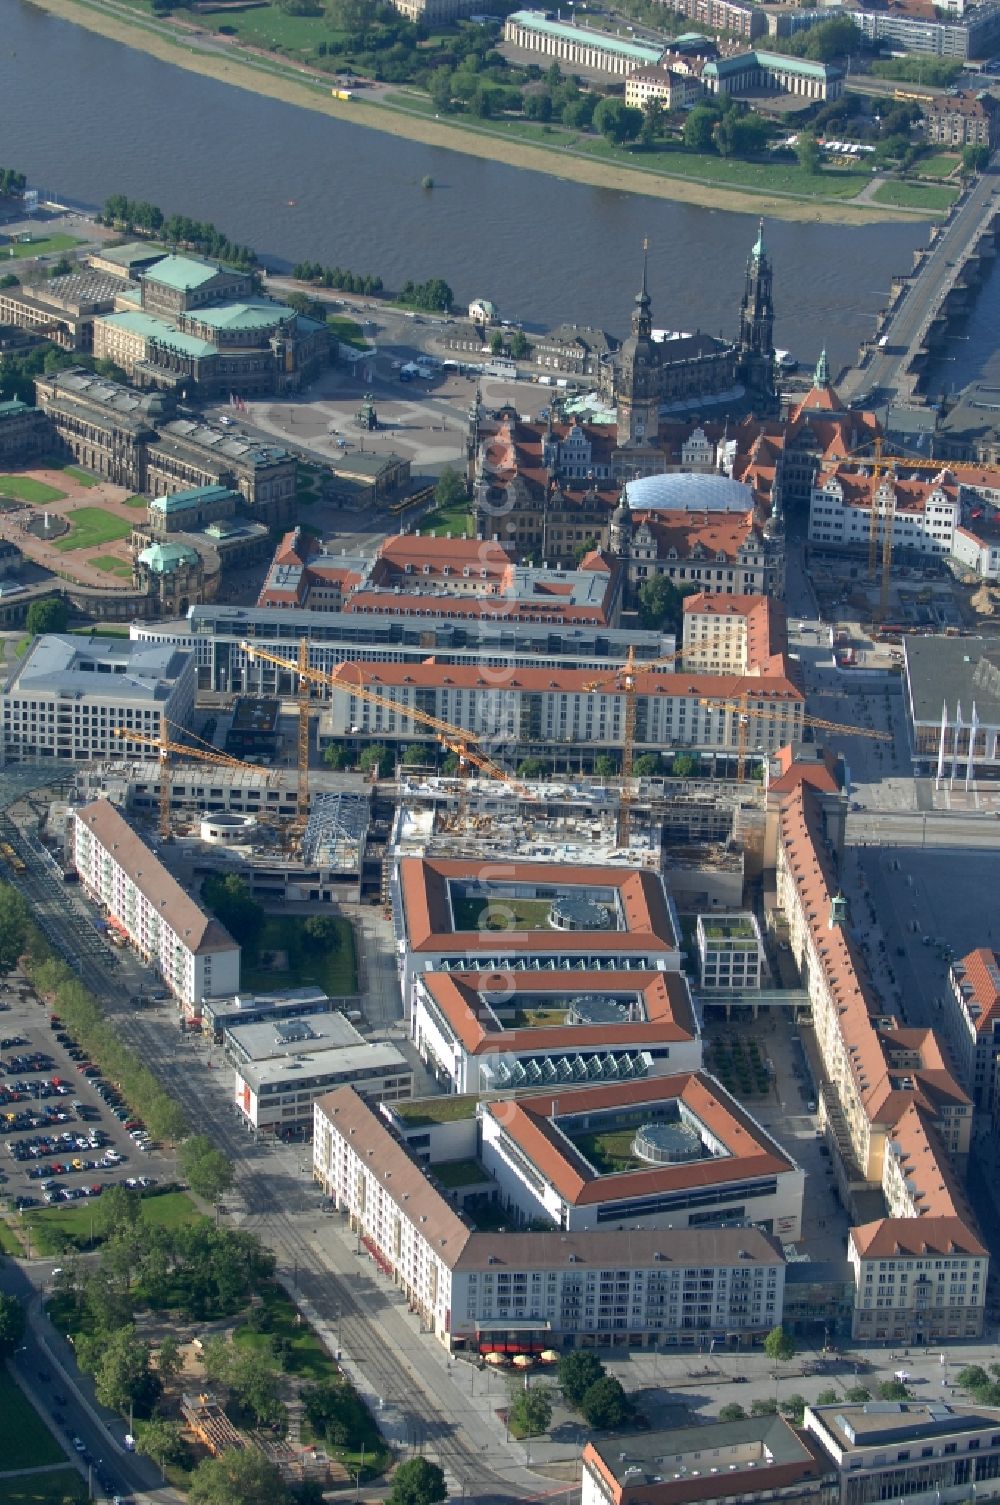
column 656, row 1452
column 270, row 1039
column 344, row 1064
column 944, row 670
column 114, row 668
column 895, row 1421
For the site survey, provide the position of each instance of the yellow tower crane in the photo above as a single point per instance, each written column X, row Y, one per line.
column 456, row 739
column 621, row 681
column 741, row 709
column 165, row 748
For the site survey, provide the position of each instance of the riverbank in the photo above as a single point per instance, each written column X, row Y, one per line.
column 206, row 57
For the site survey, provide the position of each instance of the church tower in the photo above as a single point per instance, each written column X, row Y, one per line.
column 637, row 385
column 756, row 339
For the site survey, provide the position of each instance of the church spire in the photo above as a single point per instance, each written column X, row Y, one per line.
column 758, row 247
column 642, row 319
column 821, row 377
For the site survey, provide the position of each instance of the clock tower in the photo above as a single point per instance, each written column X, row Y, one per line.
column 637, row 389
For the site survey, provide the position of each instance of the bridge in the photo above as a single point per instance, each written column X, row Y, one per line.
column 940, row 288
column 755, row 999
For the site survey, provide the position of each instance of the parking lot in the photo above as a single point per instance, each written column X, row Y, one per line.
column 67, row 1133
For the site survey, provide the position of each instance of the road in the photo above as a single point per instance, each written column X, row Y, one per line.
column 906, row 330
column 45, row 1368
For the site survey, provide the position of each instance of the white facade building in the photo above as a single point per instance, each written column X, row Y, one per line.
column 69, row 696
column 195, row 955
column 730, row 951
column 924, row 514
column 524, row 1292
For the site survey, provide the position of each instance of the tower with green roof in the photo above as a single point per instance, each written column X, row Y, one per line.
column 756, row 337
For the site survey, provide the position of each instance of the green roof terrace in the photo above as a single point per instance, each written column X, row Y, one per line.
column 259, row 314
column 183, row 272
column 181, row 500
column 419, row 1112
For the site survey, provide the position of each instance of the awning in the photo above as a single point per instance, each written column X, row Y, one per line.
column 514, row 1325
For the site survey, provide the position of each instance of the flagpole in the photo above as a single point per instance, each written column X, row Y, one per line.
column 941, row 743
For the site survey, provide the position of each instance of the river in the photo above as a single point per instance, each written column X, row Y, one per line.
column 85, row 117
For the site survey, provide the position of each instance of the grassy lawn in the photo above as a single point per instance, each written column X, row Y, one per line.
column 25, row 1440
column 305, row 1356
column 442, row 522
column 112, row 565
column 609, row 1152
column 82, row 477
column 931, row 196
column 460, row 1173
column 53, row 1227
column 25, row 489
column 336, row 971
column 939, row 166
column 500, row 913
column 90, row 526
column 347, row 331
column 8, row 1243
column 137, row 502
column 110, row 631
column 41, row 245
column 43, row 1489
column 539, row 1018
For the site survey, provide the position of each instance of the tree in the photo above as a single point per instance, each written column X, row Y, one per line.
column 321, row 933
column 827, row 1397
column 248, row 1477
column 683, row 765
column 15, row 917
column 12, row 1322
column 117, row 1210
column 496, row 343
column 376, row 759
column 337, row 1412
column 417, row 1482
column 732, row 1411
column 652, row 120
column 660, row 603
column 168, row 1357
column 606, row 766
column 230, row 900
column 583, row 548
column 975, row 158
column 122, row 1377
column 47, row 616
column 858, row 1395
column 451, row 490
column 616, row 121
column 441, row 90
column 646, row 766
column 699, row 130
column 530, row 1412
column 766, row 1406
column 605, row 1404
column 162, row 1441
column 578, row 1370
column 532, row 768
column 417, row 754
column 520, row 348
column 779, row 1345
column 208, row 1172
column 809, row 154
column 793, row 1406
column 892, row 1390
column 973, row 1377
column 336, row 757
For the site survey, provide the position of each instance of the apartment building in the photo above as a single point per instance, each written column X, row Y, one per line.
column 195, row 955
column 521, row 1292
column 696, row 1159
column 922, row 515
column 69, row 698
column 894, row 1114
column 536, row 711
column 730, row 634
column 674, row 89
column 972, row 1006
column 577, row 46
column 965, row 119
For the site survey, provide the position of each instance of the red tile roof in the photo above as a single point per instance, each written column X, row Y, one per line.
column 532, row 1122
column 666, row 999
column 894, row 1237
column 980, row 971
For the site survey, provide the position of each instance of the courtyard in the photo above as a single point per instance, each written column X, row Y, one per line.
column 71, row 523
